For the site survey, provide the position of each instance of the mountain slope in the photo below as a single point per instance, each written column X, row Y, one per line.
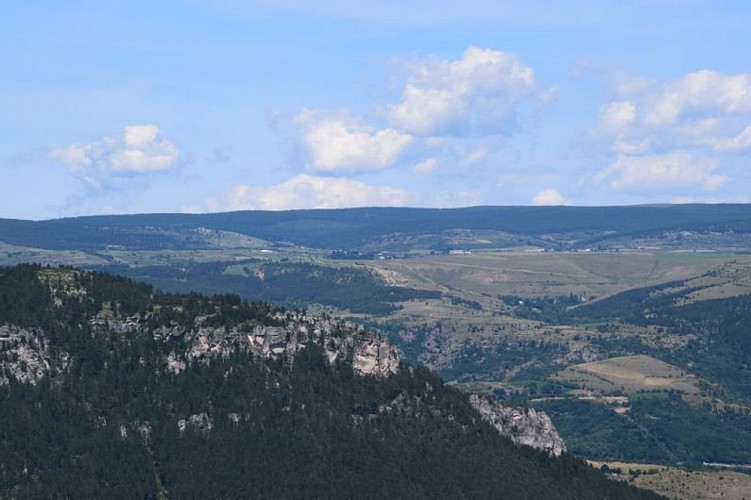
column 140, row 393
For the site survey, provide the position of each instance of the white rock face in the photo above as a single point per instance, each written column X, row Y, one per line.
column 24, row 355
column 174, row 364
column 375, row 356
column 370, row 354
column 201, row 422
column 524, row 426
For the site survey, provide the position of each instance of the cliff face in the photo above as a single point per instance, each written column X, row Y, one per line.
column 370, row 354
column 524, row 426
column 25, row 355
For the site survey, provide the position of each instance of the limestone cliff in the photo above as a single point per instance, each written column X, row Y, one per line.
column 524, row 426
column 370, row 354
column 25, row 355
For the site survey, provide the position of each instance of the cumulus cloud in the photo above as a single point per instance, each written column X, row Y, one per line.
column 307, row 191
column 342, row 143
column 549, row 197
column 664, row 172
column 475, row 95
column 141, row 149
column 441, row 105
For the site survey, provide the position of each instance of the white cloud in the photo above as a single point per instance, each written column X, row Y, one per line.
column 443, row 102
column 307, row 191
column 676, row 134
column 699, row 109
column 739, row 142
column 549, row 197
column 702, row 91
column 140, row 149
column 426, row 166
column 76, row 157
column 618, row 114
column 474, row 157
column 341, row 143
column 475, row 95
column 654, row 173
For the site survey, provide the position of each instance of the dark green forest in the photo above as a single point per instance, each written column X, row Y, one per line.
column 292, row 284
column 110, row 422
column 722, row 349
column 660, row 427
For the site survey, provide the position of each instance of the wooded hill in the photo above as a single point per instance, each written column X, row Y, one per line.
column 105, row 397
column 356, row 228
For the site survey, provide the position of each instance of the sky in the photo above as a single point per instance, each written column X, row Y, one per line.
column 211, row 106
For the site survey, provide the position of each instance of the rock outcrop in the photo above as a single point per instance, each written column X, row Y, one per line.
column 201, row 422
column 24, row 355
column 524, row 426
column 370, row 354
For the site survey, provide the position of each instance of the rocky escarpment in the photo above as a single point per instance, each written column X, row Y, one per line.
column 25, row 353
column 25, row 357
column 370, row 354
column 524, row 426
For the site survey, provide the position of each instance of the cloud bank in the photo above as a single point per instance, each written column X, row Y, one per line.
column 474, row 96
column 307, row 191
column 676, row 136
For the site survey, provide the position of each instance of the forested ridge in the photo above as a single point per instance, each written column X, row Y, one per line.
column 109, row 419
column 351, row 228
column 293, row 284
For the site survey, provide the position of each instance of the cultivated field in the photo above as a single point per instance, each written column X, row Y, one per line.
column 629, row 374
column 681, row 484
column 587, row 274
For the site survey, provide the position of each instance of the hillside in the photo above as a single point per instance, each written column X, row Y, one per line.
column 627, row 330
column 379, row 229
column 111, row 389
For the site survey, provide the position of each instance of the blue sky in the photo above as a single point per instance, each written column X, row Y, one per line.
column 193, row 106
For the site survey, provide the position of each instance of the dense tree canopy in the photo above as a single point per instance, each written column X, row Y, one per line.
column 113, row 422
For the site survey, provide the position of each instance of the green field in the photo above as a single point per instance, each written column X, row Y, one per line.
column 629, row 374
column 533, row 274
column 680, row 484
